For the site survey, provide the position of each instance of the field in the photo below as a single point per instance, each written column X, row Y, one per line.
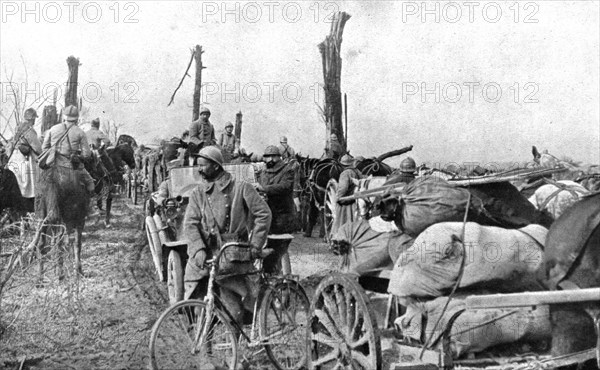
column 104, row 319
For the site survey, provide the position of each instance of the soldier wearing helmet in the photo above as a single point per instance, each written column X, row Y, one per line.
column 222, row 209
column 72, row 148
column 23, row 152
column 277, row 182
column 97, row 138
column 406, row 172
column 202, row 132
column 287, row 152
column 229, row 144
column 346, row 210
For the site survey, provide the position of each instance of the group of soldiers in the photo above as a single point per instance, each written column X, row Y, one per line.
column 71, row 146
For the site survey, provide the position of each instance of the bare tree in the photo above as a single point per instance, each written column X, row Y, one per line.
column 111, row 129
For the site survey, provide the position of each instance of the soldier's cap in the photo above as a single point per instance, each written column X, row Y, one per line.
column 212, row 153
column 271, row 151
column 204, row 110
column 283, row 140
column 71, row 113
column 347, row 160
column 96, row 122
column 228, row 124
column 30, row 113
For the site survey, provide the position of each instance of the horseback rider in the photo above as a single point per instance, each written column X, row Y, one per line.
column 202, row 132
column 73, row 148
column 222, row 209
column 97, row 138
column 229, row 144
column 287, row 152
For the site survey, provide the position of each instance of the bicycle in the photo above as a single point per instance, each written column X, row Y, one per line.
column 202, row 334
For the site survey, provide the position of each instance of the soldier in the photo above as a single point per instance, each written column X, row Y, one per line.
column 335, row 150
column 25, row 149
column 277, row 182
column 95, row 137
column 406, row 172
column 287, row 152
column 346, row 210
column 72, row 148
column 229, row 143
column 202, row 132
column 221, row 210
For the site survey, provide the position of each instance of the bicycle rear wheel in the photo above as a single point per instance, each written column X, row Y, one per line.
column 173, row 334
column 282, row 321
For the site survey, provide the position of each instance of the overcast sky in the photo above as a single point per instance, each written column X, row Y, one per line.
column 461, row 81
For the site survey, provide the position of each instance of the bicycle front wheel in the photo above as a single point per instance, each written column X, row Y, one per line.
column 173, row 337
column 282, row 321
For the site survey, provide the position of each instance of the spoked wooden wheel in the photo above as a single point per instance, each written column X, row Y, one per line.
column 329, row 208
column 174, row 337
column 342, row 331
column 174, row 277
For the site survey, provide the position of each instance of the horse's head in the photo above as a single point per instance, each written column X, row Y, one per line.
column 389, row 207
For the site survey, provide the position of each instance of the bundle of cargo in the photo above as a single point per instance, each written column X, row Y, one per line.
column 430, row 200
column 369, row 246
column 473, row 331
column 499, row 259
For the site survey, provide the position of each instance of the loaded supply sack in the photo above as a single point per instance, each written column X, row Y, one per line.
column 430, row 200
column 369, row 250
column 474, row 330
column 497, row 259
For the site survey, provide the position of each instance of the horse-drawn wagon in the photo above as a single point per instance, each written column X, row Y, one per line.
column 553, row 326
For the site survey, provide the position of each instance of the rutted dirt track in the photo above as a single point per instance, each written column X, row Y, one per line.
column 104, row 319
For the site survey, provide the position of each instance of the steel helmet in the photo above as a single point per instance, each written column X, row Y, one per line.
column 71, row 113
column 347, row 160
column 212, row 153
column 204, row 110
column 283, row 140
column 408, row 165
column 30, row 114
column 271, row 150
column 228, row 124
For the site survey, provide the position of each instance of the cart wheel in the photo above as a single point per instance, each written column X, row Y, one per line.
column 329, row 208
column 135, row 189
column 155, row 245
column 342, row 331
column 174, row 333
column 174, row 277
column 282, row 322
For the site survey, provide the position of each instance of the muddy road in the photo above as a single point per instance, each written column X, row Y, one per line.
column 103, row 320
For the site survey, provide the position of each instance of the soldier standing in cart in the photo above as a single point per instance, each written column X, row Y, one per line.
column 335, row 150
column 202, row 132
column 287, row 152
column 405, row 174
column 277, row 183
column 229, row 144
column 219, row 211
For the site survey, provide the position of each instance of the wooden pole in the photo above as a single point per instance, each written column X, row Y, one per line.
column 238, row 127
column 49, row 118
column 346, row 120
column 198, row 84
column 71, row 91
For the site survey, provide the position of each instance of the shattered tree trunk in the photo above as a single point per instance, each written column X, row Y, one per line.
column 332, row 71
column 71, row 93
column 198, row 84
column 49, row 118
column 238, row 127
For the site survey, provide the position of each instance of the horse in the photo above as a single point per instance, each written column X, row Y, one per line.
column 572, row 261
column 126, row 139
column 61, row 199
